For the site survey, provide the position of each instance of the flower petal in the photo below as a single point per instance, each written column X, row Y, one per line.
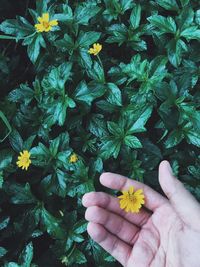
column 45, row 17
column 131, row 190
column 53, row 22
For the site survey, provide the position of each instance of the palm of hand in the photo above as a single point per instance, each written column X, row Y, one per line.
column 165, row 233
column 164, row 241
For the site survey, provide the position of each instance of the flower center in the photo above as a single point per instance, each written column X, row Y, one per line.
column 45, row 24
column 25, row 160
column 132, row 198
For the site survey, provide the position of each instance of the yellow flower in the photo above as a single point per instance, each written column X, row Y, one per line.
column 131, row 201
column 73, row 158
column 96, row 49
column 45, row 25
column 24, row 160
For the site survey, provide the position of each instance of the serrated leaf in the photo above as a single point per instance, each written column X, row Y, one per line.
column 18, row 27
column 165, row 25
column 132, row 141
column 78, row 257
column 84, row 12
column 34, row 42
column 16, row 141
column 86, row 39
column 114, row 94
column 138, row 125
column 191, row 33
column 51, row 224
column 193, row 138
column 168, row 4
column 20, row 194
column 135, row 16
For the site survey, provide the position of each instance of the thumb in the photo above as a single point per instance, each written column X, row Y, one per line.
column 182, row 200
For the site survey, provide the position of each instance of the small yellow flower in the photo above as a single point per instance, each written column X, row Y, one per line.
column 24, row 160
column 95, row 50
column 73, row 158
column 44, row 24
column 132, row 201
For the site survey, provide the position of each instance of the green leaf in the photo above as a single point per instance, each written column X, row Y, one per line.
column 138, row 125
column 197, row 17
column 174, row 138
column 7, row 124
column 84, row 12
column 132, row 141
column 83, row 188
column 135, row 16
column 115, row 129
column 193, row 138
column 23, row 94
column 41, row 6
column 185, row 18
column 168, row 4
column 40, row 155
column 20, row 194
column 66, row 44
column 80, row 227
column 5, row 159
column 4, row 222
column 28, row 143
column 1, row 179
column 85, row 94
column 34, row 42
column 51, row 224
column 175, row 51
column 126, row 5
column 118, row 32
column 191, row 33
column 114, row 94
column 110, row 148
column 86, row 39
column 97, row 165
column 165, row 25
column 59, row 111
column 184, row 2
column 3, row 252
column 62, row 182
column 27, row 256
column 16, row 141
column 97, row 73
column 78, row 257
column 97, row 125
column 56, row 79
column 18, row 27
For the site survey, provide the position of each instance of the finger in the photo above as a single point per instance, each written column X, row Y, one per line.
column 183, row 202
column 113, row 223
column 113, row 245
column 153, row 200
column 111, row 203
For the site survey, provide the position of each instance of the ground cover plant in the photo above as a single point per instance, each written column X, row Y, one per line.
column 86, row 87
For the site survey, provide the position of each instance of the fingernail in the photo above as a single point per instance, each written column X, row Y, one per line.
column 170, row 169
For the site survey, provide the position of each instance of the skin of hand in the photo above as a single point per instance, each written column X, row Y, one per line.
column 165, row 233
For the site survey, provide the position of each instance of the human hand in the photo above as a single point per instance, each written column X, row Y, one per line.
column 165, row 233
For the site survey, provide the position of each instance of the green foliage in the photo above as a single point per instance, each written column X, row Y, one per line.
column 134, row 104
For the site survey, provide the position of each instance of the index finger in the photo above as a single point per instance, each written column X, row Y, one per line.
column 153, row 200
